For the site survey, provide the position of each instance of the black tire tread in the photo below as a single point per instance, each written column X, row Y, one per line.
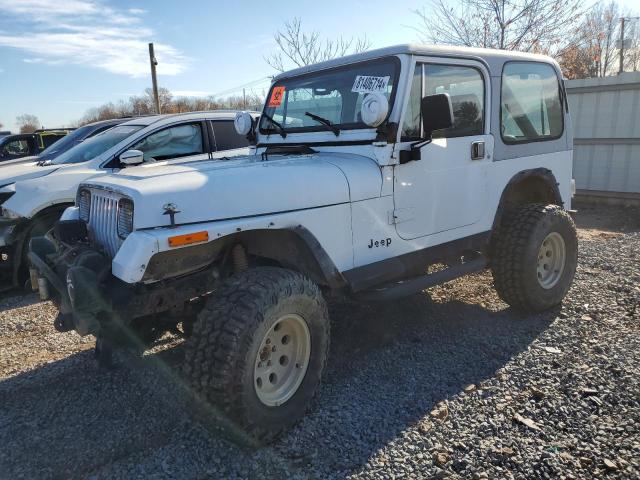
column 509, row 246
column 213, row 357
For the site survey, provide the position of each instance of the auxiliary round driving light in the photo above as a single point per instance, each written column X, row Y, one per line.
column 375, row 107
column 243, row 123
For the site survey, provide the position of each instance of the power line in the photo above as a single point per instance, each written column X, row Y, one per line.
column 240, row 87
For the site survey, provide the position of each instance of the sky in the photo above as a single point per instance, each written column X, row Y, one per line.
column 58, row 58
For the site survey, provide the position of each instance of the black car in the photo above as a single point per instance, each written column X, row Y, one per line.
column 29, row 144
column 8, row 145
column 77, row 136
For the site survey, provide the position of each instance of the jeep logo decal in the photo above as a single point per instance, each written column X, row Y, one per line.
column 383, row 242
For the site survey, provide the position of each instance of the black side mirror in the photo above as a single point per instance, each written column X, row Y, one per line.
column 437, row 113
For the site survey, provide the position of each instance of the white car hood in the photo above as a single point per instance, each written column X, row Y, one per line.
column 243, row 186
column 20, row 169
column 39, row 187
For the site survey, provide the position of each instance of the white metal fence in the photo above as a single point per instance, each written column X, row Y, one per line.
column 606, row 127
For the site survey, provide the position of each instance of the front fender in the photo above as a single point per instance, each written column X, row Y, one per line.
column 147, row 257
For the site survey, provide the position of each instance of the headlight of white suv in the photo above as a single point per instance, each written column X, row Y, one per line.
column 125, row 217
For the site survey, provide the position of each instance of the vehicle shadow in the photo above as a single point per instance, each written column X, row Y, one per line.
column 390, row 365
column 15, row 298
column 618, row 219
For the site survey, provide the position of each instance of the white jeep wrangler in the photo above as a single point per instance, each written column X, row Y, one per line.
column 365, row 171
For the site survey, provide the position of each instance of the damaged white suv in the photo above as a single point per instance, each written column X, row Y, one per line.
column 365, row 171
column 34, row 193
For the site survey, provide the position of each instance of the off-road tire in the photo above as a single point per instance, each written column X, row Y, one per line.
column 221, row 353
column 514, row 255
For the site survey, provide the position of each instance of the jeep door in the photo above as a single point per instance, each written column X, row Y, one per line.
column 447, row 188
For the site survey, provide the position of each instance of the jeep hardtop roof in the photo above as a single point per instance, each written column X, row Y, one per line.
column 493, row 59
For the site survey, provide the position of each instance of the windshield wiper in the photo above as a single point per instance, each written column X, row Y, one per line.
column 281, row 130
column 324, row 121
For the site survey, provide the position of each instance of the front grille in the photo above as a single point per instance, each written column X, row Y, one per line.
column 103, row 221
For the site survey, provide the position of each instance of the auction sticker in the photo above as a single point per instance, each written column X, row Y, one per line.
column 276, row 97
column 369, row 84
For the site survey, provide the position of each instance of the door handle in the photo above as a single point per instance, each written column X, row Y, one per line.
column 477, row 150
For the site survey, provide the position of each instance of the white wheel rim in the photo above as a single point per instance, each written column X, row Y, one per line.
column 551, row 260
column 282, row 360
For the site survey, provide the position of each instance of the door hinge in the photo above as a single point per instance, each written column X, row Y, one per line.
column 400, row 215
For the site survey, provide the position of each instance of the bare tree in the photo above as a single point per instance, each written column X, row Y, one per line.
column 164, row 98
column 299, row 48
column 143, row 105
column 577, row 62
column 525, row 25
column 594, row 50
column 632, row 54
column 28, row 123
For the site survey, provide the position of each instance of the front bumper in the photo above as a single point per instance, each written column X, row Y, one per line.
column 91, row 300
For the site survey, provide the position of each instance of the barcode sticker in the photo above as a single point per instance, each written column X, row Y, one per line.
column 369, row 84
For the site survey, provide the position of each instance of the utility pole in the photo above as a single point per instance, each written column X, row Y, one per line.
column 622, row 21
column 154, row 62
column 244, row 99
column 621, row 45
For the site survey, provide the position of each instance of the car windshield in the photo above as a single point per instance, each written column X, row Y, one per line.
column 65, row 143
column 334, row 94
column 94, row 146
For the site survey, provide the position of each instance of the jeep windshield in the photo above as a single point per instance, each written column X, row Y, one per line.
column 94, row 146
column 327, row 100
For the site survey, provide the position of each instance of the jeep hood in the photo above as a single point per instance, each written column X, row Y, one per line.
column 243, row 186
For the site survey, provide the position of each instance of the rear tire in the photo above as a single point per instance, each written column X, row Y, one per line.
column 259, row 323
column 534, row 257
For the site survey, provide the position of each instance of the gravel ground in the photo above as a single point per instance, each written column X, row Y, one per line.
column 446, row 384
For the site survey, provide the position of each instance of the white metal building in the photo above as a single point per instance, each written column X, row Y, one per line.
column 606, row 124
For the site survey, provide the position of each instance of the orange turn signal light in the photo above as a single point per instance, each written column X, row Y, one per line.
column 188, row 239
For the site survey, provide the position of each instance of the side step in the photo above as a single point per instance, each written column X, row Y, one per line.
column 407, row 287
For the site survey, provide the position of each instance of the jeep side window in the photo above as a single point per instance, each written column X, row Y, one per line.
column 226, row 136
column 177, row 141
column 530, row 108
column 464, row 85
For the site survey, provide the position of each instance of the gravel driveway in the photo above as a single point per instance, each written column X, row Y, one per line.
column 446, row 384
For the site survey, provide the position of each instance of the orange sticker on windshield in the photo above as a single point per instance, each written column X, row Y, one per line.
column 276, row 97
